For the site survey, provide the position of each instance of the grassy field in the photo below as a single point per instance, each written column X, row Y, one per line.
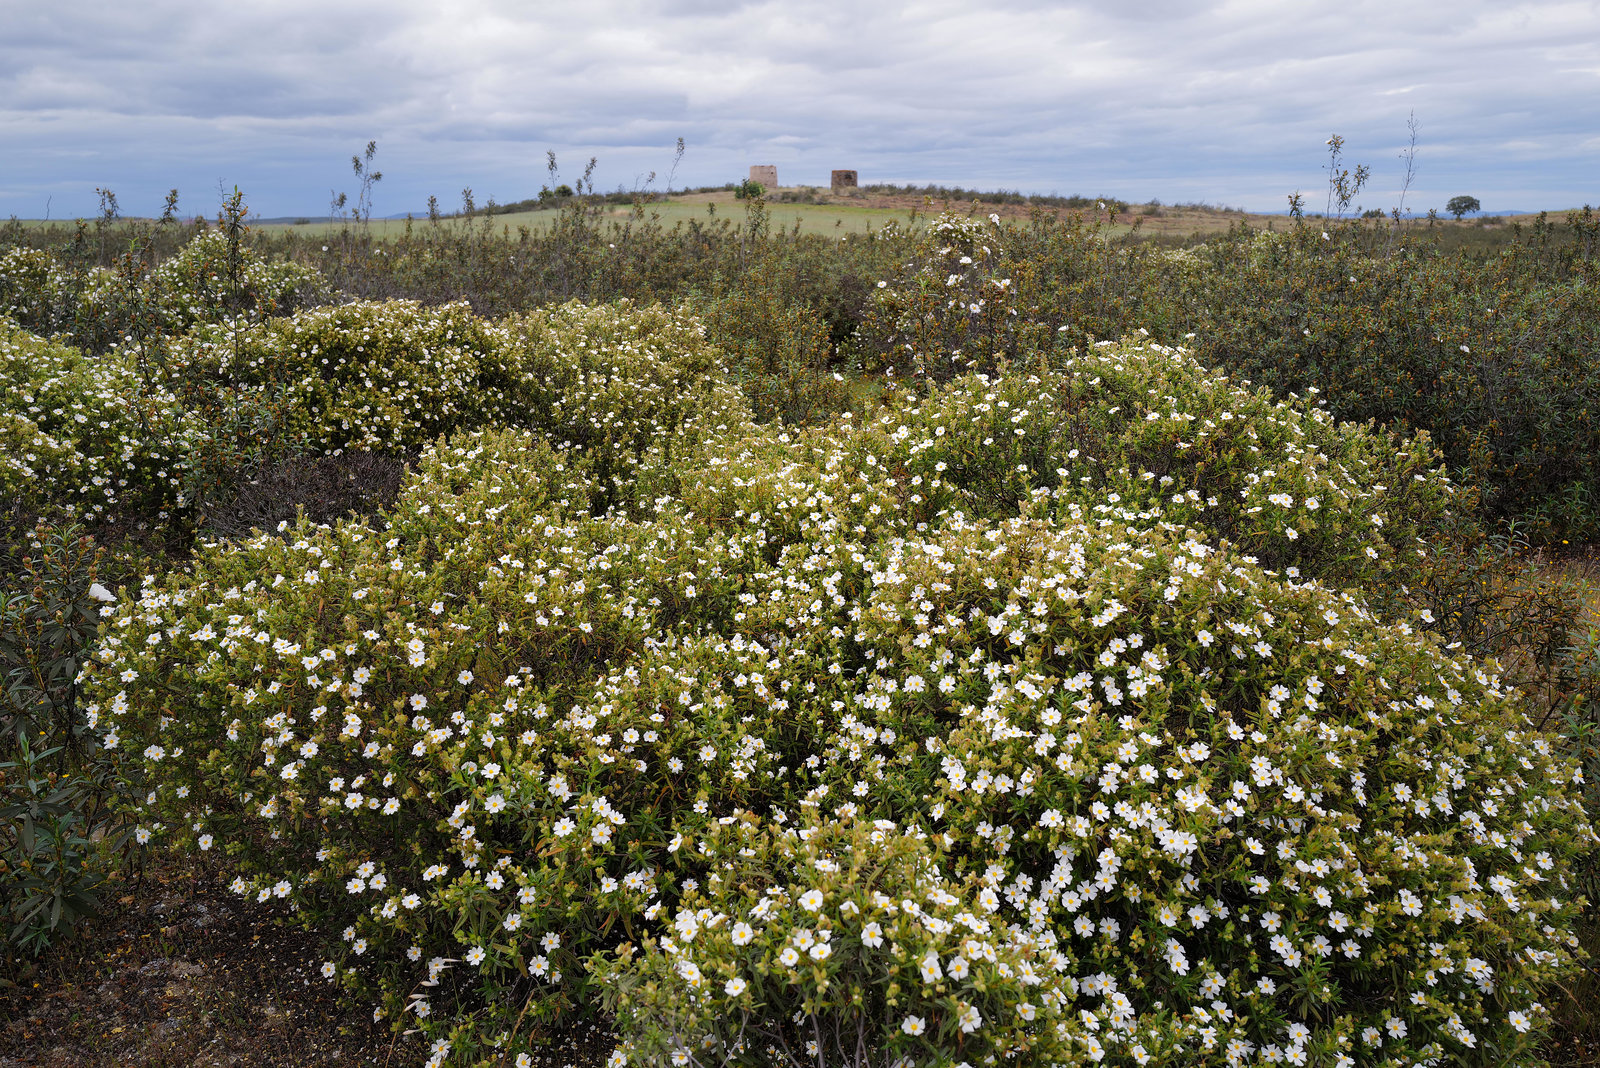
column 840, row 218
column 814, row 210
column 839, row 215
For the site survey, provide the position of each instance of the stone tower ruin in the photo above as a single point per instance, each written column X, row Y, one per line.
column 765, row 175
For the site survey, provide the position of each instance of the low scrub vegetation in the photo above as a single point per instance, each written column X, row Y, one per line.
column 819, row 652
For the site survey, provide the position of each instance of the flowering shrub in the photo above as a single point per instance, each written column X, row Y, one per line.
column 1140, row 431
column 621, row 383
column 954, row 307
column 34, row 288
column 84, row 433
column 209, row 279
column 822, row 944
column 370, row 376
column 983, row 694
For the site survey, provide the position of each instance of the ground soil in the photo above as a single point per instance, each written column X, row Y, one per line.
column 180, row 973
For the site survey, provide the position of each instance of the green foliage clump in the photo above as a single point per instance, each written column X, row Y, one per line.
column 1019, row 698
column 1495, row 368
column 59, row 832
column 779, row 351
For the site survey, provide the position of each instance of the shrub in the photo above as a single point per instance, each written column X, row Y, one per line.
column 623, row 386
column 1491, row 359
column 82, row 433
column 779, row 353
column 818, row 947
column 600, row 684
column 953, row 308
column 35, row 290
column 214, row 276
column 58, row 832
column 372, row 376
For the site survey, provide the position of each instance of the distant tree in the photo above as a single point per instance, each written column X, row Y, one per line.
column 748, row 190
column 1459, row 206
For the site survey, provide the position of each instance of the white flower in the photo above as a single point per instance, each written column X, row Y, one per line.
column 734, row 987
column 475, row 955
column 913, row 1025
column 811, row 900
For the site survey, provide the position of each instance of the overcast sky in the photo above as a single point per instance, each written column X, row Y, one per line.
column 1222, row 102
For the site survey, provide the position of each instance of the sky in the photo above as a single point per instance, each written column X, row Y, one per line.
column 1227, row 103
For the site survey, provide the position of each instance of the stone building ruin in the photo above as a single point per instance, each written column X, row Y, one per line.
column 765, row 175
column 843, row 180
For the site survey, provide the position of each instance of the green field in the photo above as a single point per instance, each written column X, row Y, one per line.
column 812, row 218
column 872, row 213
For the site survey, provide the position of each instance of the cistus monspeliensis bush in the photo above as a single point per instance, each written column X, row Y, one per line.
column 209, row 279
column 1009, row 723
column 35, row 289
column 86, row 434
column 368, row 376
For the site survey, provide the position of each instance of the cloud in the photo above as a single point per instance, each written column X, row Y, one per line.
column 1228, row 101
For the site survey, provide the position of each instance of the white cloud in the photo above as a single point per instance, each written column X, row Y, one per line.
column 1229, row 101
